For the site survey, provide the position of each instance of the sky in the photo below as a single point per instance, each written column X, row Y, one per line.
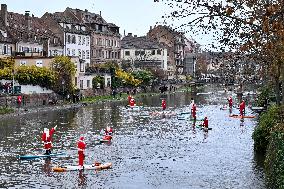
column 133, row 16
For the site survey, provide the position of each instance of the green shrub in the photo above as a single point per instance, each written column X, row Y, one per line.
column 4, row 110
column 274, row 160
column 261, row 133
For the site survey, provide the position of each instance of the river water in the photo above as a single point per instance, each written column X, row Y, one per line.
column 146, row 151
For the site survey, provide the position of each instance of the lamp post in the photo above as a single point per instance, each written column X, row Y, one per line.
column 13, row 83
column 63, row 82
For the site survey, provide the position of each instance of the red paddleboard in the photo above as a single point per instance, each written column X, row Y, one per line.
column 240, row 116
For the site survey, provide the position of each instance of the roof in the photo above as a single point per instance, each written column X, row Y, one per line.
column 130, row 42
column 88, row 17
column 18, row 29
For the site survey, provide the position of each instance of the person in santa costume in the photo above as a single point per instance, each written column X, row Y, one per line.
column 47, row 139
column 81, row 150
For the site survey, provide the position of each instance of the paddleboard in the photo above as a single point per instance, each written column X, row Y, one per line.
column 239, row 116
column 201, row 127
column 85, row 167
column 134, row 107
column 40, row 156
column 185, row 113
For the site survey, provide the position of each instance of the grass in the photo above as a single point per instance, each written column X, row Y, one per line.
column 4, row 110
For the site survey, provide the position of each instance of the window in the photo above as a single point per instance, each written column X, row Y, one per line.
column 39, row 63
column 83, row 55
column 68, row 39
column 88, row 83
column 73, row 52
column 115, row 43
column 88, row 41
column 142, row 52
column 111, row 42
column 68, row 52
column 73, row 39
column 159, row 52
column 84, row 39
column 106, row 42
column 112, row 55
column 79, row 40
column 76, row 81
column 108, row 82
column 115, row 55
column 87, row 54
column 79, row 53
column 127, row 53
column 153, row 52
column 81, row 84
column 137, row 53
column 23, row 63
column 5, row 49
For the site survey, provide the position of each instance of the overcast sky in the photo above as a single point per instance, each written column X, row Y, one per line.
column 133, row 16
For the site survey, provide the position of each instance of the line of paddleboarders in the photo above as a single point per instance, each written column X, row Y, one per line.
column 81, row 144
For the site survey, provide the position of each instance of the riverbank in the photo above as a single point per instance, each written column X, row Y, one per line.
column 269, row 140
column 13, row 112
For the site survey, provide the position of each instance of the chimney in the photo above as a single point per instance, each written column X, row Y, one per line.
column 100, row 13
column 135, row 35
column 150, row 27
column 4, row 14
column 124, row 33
column 129, row 34
column 28, row 19
column 86, row 10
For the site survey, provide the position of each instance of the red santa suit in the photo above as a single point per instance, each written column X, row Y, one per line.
column 230, row 100
column 81, row 149
column 164, row 105
column 132, row 102
column 193, row 111
column 205, row 123
column 46, row 138
column 129, row 98
column 242, row 107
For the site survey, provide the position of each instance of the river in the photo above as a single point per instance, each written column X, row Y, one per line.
column 146, row 152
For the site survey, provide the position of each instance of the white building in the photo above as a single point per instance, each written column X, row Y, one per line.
column 144, row 53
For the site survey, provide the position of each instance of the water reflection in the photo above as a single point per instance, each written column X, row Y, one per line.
column 82, row 179
column 155, row 150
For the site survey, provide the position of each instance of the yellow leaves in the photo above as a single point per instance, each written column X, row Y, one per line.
column 127, row 77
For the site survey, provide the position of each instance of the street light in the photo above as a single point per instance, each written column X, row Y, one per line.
column 63, row 82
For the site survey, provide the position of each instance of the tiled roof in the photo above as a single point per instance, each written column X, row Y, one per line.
column 61, row 17
column 130, row 42
column 88, row 17
column 18, row 28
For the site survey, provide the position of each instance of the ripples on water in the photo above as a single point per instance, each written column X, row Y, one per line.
column 146, row 152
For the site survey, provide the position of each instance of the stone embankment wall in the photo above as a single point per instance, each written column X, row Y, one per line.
column 31, row 100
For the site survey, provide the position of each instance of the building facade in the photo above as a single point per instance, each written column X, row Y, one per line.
column 105, row 37
column 175, row 42
column 143, row 53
